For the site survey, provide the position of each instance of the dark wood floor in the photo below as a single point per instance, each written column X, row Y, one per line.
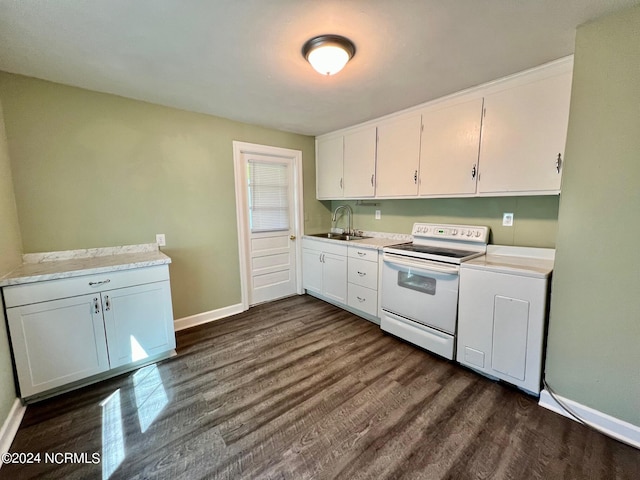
column 300, row 389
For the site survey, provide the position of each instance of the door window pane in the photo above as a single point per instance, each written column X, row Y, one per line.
column 268, row 196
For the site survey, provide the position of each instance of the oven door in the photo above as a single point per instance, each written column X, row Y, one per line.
column 421, row 290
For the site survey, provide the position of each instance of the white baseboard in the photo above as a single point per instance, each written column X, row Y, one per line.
column 619, row 429
column 206, row 317
column 10, row 426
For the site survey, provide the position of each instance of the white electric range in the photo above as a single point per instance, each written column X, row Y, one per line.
column 420, row 283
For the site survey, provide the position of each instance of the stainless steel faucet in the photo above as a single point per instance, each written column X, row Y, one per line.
column 349, row 215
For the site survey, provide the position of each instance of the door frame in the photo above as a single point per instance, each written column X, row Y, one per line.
column 242, row 217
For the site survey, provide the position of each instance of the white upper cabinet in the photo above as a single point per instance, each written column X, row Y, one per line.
column 398, row 156
column 523, row 137
column 506, row 137
column 449, row 148
column 329, row 179
column 360, row 163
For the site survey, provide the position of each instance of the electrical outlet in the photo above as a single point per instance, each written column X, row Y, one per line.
column 507, row 219
column 161, row 240
column 377, row 214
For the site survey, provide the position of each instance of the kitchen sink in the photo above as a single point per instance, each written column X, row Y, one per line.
column 338, row 236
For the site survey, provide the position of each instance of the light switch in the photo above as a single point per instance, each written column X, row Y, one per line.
column 507, row 219
column 161, row 240
column 377, row 214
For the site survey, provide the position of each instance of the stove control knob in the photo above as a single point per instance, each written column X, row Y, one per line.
column 477, row 233
column 468, row 233
column 454, row 232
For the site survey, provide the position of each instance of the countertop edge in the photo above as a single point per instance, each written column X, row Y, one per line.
column 53, row 270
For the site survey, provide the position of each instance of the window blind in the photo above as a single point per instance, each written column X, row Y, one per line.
column 268, row 196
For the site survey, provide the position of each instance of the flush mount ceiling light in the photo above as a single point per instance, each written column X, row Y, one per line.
column 328, row 54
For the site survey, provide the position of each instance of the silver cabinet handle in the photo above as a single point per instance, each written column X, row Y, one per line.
column 102, row 282
column 415, row 177
column 474, row 171
column 559, row 162
column 360, row 299
column 362, row 274
column 96, row 305
column 107, row 303
column 341, row 183
column 362, row 254
column 372, row 179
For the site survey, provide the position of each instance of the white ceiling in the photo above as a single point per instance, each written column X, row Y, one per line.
column 241, row 59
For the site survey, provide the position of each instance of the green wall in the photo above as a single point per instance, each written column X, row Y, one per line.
column 593, row 354
column 10, row 257
column 535, row 218
column 93, row 169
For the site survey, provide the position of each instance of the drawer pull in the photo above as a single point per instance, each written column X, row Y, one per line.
column 362, row 254
column 107, row 303
column 102, row 282
column 96, row 305
column 360, row 299
column 362, row 274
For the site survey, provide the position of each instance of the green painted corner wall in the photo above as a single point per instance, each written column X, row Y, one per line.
column 93, row 169
column 10, row 258
column 535, row 218
column 594, row 329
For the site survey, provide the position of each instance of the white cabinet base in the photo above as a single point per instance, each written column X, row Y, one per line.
column 62, row 336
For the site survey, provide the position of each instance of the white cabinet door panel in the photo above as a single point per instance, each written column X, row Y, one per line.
column 138, row 322
column 329, row 155
column 334, row 277
column 57, row 342
column 312, row 270
column 523, row 132
column 398, row 157
column 449, row 149
column 360, row 163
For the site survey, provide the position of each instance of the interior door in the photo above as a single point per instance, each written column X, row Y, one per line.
column 272, row 228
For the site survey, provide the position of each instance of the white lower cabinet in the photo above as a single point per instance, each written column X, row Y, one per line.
column 57, row 342
column 324, row 269
column 60, row 334
column 363, row 279
column 501, row 320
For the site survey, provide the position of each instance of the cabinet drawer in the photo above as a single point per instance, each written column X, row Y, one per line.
column 363, row 253
column 363, row 272
column 36, row 292
column 363, row 299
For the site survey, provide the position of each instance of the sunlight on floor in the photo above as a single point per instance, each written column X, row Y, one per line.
column 151, row 398
column 112, row 434
column 150, row 394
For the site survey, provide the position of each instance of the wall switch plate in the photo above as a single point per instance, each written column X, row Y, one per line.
column 377, row 214
column 161, row 240
column 507, row 219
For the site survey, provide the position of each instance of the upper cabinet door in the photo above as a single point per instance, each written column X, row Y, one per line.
column 398, row 156
column 360, row 163
column 524, row 131
column 449, row 148
column 329, row 180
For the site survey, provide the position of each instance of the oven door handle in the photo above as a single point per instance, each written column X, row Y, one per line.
column 424, row 265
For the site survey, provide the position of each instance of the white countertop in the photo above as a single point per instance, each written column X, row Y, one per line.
column 526, row 261
column 38, row 267
column 376, row 240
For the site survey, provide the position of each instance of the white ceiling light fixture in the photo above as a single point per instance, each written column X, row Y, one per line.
column 328, row 54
